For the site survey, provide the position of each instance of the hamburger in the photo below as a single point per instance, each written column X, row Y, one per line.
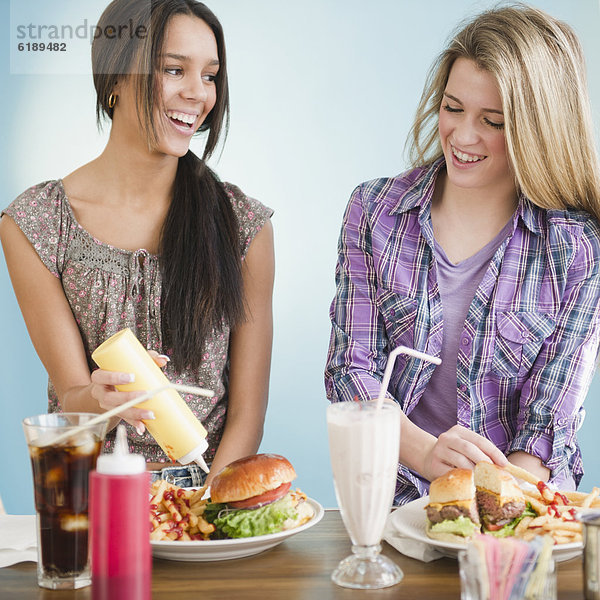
column 252, row 496
column 452, row 514
column 500, row 500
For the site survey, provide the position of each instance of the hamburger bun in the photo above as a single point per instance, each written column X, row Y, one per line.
column 495, row 479
column 445, row 536
column 251, row 476
column 455, row 485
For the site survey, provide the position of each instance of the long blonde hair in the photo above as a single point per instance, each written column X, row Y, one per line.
column 539, row 67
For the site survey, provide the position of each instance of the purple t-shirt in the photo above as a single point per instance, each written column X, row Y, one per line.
column 436, row 411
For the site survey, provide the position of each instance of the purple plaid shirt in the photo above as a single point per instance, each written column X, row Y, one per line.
column 530, row 341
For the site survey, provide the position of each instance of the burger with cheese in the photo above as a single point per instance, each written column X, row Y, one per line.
column 500, row 500
column 452, row 514
column 252, row 496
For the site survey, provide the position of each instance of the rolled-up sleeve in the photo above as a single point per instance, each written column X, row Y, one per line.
column 355, row 359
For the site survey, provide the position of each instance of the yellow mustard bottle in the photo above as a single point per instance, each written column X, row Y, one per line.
column 175, row 428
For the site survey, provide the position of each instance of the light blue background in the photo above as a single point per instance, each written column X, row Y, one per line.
column 323, row 93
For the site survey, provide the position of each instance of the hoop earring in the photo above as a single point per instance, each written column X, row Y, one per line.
column 112, row 100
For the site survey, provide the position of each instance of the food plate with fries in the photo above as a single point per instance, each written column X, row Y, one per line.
column 179, row 531
column 556, row 515
column 409, row 520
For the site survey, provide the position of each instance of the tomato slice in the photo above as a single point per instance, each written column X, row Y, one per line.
column 493, row 527
column 263, row 499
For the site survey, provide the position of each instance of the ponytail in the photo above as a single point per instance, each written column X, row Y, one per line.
column 201, row 263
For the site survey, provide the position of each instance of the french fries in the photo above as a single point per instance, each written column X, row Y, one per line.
column 556, row 510
column 556, row 513
column 176, row 514
column 579, row 499
column 587, row 502
column 520, row 473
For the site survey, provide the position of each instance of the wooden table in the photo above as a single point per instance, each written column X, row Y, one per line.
column 297, row 569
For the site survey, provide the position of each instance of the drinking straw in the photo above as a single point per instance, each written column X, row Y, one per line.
column 390, row 365
column 537, row 579
column 188, row 389
column 504, row 568
column 479, row 550
column 520, row 553
column 492, row 560
column 508, row 568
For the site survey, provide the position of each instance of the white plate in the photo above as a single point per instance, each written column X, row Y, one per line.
column 227, row 549
column 410, row 520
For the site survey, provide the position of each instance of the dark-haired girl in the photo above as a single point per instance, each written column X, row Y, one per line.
column 145, row 236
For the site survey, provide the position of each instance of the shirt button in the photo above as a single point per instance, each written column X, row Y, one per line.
column 465, row 341
column 463, row 388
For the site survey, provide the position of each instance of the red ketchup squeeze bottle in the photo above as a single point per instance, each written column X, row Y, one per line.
column 119, row 532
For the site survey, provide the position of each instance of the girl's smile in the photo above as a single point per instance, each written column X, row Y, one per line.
column 471, row 128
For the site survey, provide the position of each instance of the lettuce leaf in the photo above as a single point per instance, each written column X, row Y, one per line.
column 247, row 523
column 460, row 526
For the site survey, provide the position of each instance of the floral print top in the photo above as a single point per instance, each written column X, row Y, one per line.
column 109, row 289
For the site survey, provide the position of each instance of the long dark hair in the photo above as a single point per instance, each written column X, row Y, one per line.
column 200, row 252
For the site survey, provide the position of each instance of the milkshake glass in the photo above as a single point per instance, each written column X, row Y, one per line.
column 364, row 443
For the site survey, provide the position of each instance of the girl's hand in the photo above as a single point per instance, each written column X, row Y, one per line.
column 459, row 448
column 104, row 392
column 108, row 397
